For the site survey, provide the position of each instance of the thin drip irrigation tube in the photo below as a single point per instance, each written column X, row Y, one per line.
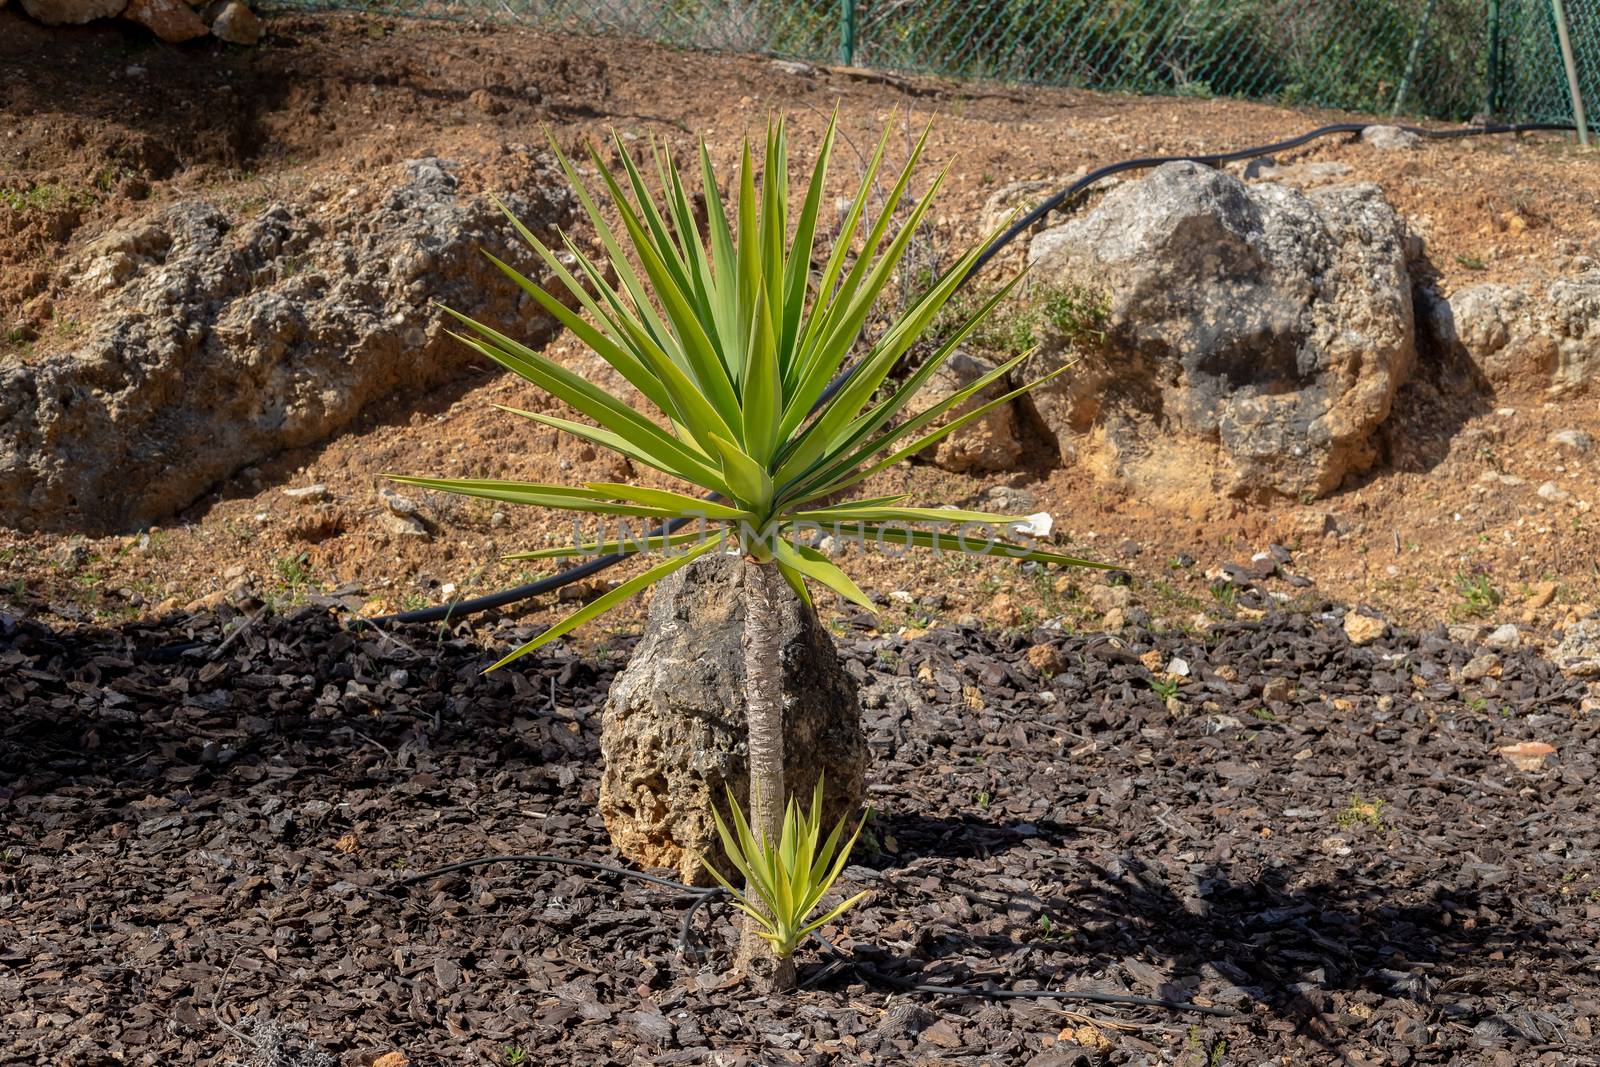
column 492, row 601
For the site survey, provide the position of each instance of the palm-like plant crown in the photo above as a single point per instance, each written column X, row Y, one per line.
column 735, row 342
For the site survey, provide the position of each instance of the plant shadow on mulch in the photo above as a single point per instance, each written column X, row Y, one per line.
column 1285, row 937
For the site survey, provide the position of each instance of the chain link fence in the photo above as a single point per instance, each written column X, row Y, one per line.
column 1448, row 59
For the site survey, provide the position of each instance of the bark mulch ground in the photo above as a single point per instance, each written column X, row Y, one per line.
column 198, row 856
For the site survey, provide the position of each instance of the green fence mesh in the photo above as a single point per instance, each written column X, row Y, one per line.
column 1447, row 59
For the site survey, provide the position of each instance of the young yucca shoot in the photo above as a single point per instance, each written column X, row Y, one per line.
column 785, row 881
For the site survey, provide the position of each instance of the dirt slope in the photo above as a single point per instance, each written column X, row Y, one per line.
column 101, row 124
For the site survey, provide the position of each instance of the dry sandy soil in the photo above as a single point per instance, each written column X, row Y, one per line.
column 100, row 125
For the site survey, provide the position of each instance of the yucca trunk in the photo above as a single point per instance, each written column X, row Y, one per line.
column 763, row 692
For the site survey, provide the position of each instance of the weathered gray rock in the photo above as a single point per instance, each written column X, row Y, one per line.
column 218, row 344
column 72, row 12
column 673, row 731
column 1579, row 651
column 1578, row 442
column 1254, row 340
column 987, row 443
column 1517, row 337
column 1390, row 138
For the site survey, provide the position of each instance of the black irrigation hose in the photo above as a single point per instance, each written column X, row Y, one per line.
column 457, row 609
column 1066, row 195
column 700, row 897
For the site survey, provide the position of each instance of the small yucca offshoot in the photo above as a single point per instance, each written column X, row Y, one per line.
column 733, row 340
column 785, row 882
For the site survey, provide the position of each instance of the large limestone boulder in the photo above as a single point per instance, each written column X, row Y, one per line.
column 72, row 12
column 673, row 730
column 1253, row 341
column 218, row 344
column 1518, row 337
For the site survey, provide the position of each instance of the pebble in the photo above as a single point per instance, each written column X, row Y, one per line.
column 1363, row 629
column 406, row 526
column 1552, row 492
column 1503, row 638
column 307, row 494
column 1479, row 667
column 397, row 504
column 1573, row 440
column 1104, row 598
column 1277, row 689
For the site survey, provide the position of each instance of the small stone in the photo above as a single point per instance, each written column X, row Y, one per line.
column 1047, row 659
column 1178, row 668
column 392, row 1059
column 1363, row 629
column 901, row 596
column 406, row 526
column 399, row 505
column 307, row 494
column 1277, row 689
column 1390, row 138
column 1503, row 638
column 1553, row 493
column 1280, row 554
column 1104, row 598
column 1542, row 594
column 71, row 555
column 1479, row 667
column 1527, row 755
column 236, row 24
column 209, row 602
column 498, row 519
column 1115, row 619
column 1003, row 610
column 1578, row 654
column 1575, row 441
column 235, row 572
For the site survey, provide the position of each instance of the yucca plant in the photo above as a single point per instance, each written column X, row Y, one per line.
column 785, row 879
column 733, row 338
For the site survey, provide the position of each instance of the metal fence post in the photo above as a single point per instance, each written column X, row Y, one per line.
column 847, row 32
column 1492, row 90
column 1565, row 41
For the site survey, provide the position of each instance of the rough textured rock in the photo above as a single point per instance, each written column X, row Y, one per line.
column 988, row 443
column 1579, row 651
column 1390, row 138
column 171, row 20
column 1254, row 338
column 72, row 12
column 673, row 732
column 217, row 344
column 1517, row 337
column 237, row 24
